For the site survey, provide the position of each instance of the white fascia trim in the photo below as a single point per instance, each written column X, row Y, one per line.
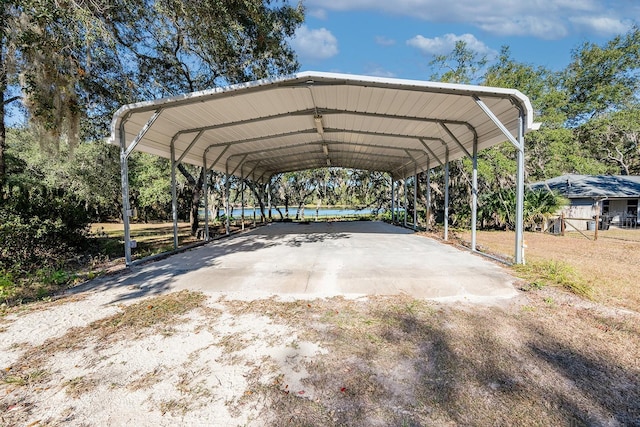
column 422, row 85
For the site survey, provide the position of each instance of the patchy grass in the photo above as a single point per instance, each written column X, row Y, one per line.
column 147, row 380
column 153, row 315
column 605, row 266
column 159, row 312
column 151, row 238
column 105, row 254
column 400, row 361
column 25, row 378
column 79, row 386
column 547, row 358
column 554, row 273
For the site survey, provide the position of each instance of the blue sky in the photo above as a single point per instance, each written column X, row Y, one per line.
column 398, row 38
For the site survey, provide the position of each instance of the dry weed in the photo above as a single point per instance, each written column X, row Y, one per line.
column 78, row 386
column 399, row 361
column 607, row 266
column 393, row 361
column 147, row 380
column 150, row 316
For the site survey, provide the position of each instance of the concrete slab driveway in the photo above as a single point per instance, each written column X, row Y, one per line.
column 326, row 259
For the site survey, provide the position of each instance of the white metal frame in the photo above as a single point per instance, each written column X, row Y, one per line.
column 135, row 127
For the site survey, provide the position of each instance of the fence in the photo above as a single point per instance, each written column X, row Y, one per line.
column 586, row 226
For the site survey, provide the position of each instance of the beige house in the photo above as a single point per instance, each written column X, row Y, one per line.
column 613, row 197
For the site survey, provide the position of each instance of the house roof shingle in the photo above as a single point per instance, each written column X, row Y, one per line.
column 592, row 186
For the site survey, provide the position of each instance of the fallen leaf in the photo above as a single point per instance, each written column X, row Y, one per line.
column 343, row 389
column 301, row 392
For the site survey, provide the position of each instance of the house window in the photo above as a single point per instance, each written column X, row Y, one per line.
column 605, row 207
column 632, row 207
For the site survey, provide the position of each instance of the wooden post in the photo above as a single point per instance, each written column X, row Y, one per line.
column 562, row 224
column 595, row 236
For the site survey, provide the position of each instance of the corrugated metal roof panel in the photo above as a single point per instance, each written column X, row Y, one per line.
column 370, row 122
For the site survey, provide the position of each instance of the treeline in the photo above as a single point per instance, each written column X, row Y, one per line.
column 67, row 66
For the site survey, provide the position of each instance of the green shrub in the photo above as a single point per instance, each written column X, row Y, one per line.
column 41, row 231
column 555, row 273
column 7, row 286
column 40, row 228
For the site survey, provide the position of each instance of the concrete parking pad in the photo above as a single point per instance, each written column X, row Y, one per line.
column 325, row 259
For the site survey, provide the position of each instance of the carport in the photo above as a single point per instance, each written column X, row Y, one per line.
column 313, row 120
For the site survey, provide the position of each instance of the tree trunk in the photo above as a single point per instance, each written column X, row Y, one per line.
column 3, row 89
column 194, row 219
column 300, row 211
column 196, row 187
column 286, row 206
column 279, row 212
column 3, row 141
column 258, row 192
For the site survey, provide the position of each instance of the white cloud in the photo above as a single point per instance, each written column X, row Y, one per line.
column 446, row 43
column 383, row 41
column 549, row 28
column 601, row 25
column 314, row 44
column 377, row 71
column 318, row 13
column 548, row 19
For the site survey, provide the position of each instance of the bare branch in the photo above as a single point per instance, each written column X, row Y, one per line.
column 10, row 100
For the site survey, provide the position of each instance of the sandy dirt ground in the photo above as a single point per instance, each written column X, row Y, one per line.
column 62, row 367
column 115, row 356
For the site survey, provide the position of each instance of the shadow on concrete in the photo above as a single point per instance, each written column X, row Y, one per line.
column 337, row 227
column 155, row 278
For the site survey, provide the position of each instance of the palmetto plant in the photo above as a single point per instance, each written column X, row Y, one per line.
column 497, row 209
column 539, row 206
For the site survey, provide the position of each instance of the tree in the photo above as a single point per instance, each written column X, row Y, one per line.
column 462, row 65
column 6, row 67
column 602, row 79
column 175, row 54
column 369, row 189
column 60, row 61
column 615, row 139
column 76, row 62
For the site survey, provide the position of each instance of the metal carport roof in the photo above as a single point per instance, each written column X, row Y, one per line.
column 313, row 120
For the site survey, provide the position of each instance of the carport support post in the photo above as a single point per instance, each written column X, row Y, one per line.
column 269, row 197
column 519, row 252
column 519, row 144
column 242, row 195
column 126, row 207
column 446, row 195
column 205, row 193
column 174, row 196
column 415, row 200
column 474, row 195
column 404, row 185
column 428, row 194
column 226, row 209
column 393, row 200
